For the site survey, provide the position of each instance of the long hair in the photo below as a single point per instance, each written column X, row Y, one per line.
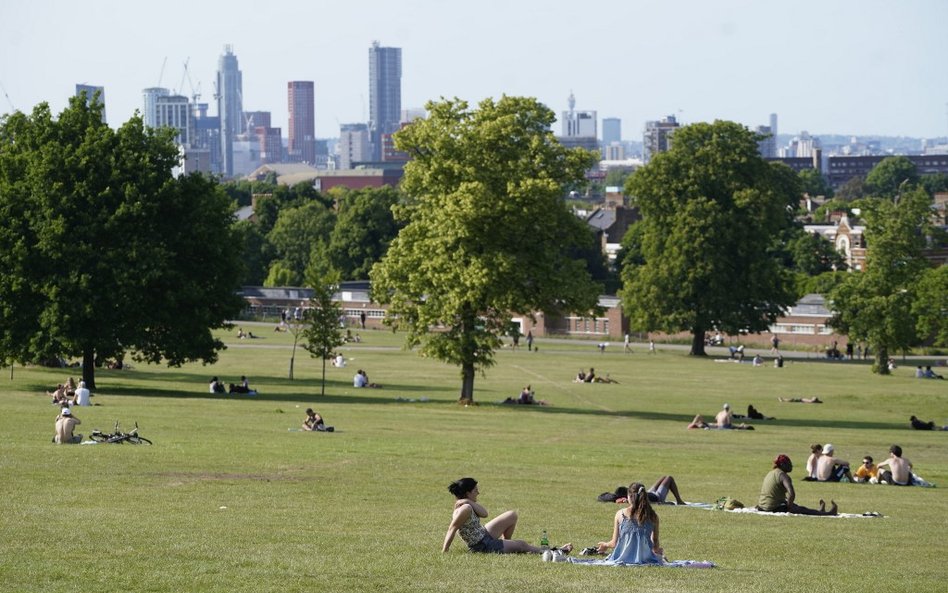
column 640, row 509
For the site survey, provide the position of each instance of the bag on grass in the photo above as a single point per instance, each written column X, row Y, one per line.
column 726, row 503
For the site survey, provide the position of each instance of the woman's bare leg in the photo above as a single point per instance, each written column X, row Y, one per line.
column 673, row 486
column 503, row 525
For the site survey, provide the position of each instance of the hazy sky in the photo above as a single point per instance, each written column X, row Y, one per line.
column 847, row 66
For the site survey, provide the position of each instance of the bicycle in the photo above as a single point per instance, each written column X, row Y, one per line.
column 119, row 437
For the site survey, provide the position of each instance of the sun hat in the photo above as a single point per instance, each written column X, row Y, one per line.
column 727, row 406
column 828, row 448
column 66, row 412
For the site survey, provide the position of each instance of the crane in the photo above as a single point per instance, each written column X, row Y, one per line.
column 195, row 93
column 161, row 75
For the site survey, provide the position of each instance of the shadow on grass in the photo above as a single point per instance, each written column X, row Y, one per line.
column 128, row 383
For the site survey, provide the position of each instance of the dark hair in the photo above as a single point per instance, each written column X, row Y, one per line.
column 816, row 448
column 309, row 411
column 640, row 509
column 896, row 450
column 461, row 487
column 867, row 458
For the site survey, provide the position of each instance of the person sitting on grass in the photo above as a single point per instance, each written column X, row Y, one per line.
column 898, row 469
column 65, row 425
column 580, row 376
column 361, row 379
column 830, row 468
column 754, row 414
column 816, row 450
column 314, row 422
column 725, row 420
column 777, row 494
column 495, row 536
column 867, row 471
column 635, row 538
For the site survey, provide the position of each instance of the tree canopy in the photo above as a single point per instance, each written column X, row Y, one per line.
column 877, row 305
column 102, row 250
column 487, row 232
column 705, row 254
column 891, row 176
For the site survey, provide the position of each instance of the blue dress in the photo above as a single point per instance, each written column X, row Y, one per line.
column 634, row 548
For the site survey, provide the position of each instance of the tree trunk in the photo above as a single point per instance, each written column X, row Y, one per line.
column 697, row 342
column 881, row 364
column 88, row 368
column 467, row 381
column 322, row 390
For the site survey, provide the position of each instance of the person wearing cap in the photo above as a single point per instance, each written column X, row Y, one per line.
column 65, row 425
column 830, row 468
column 898, row 469
column 777, row 494
column 724, row 418
column 867, row 471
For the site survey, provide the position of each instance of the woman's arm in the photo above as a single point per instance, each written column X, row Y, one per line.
column 656, row 545
column 478, row 509
column 461, row 515
column 603, row 546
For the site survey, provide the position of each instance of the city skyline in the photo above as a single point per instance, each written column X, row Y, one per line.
column 847, row 67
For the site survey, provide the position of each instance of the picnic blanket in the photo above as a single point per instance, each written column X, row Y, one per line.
column 753, row 511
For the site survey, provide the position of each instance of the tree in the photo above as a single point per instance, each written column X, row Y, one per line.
column 102, row 250
column 321, row 333
column 891, row 176
column 931, row 306
column 877, row 305
column 298, row 230
column 487, row 233
column 705, row 255
column 363, row 231
column 814, row 255
column 814, row 183
column 852, row 190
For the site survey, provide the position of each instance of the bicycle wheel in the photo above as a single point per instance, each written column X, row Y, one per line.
column 137, row 440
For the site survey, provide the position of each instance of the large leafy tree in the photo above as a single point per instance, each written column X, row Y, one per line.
column 297, row 234
column 487, row 231
column 877, row 305
column 931, row 306
column 705, row 255
column 102, row 250
column 364, row 229
column 891, row 176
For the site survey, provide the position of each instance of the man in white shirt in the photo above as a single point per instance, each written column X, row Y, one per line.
column 359, row 380
column 82, row 395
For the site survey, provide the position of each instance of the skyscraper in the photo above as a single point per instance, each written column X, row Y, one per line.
column 580, row 128
column 229, row 94
column 385, row 94
column 658, row 136
column 302, row 125
column 611, row 130
column 90, row 92
column 150, row 98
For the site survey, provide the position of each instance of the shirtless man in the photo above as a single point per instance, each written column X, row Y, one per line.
column 830, row 468
column 724, row 418
column 899, row 469
column 314, row 422
column 65, row 424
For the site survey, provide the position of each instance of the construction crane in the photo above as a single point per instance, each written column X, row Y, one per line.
column 12, row 106
column 195, row 93
column 161, row 74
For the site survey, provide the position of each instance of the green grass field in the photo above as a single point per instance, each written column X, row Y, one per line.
column 228, row 499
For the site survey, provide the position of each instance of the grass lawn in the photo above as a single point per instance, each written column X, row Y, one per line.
column 228, row 499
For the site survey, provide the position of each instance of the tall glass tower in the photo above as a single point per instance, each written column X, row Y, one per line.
column 229, row 95
column 385, row 94
column 302, row 133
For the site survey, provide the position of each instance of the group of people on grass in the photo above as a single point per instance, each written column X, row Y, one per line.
column 635, row 529
column 823, row 466
column 361, row 379
column 66, row 395
column 591, row 377
column 526, row 398
column 725, row 419
column 217, row 386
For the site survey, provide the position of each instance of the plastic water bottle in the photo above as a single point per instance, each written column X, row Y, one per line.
column 544, row 540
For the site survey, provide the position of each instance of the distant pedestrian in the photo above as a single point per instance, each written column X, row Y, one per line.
column 362, row 319
column 651, row 346
column 627, row 347
column 529, row 340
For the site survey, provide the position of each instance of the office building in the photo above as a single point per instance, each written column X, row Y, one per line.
column 767, row 145
column 580, row 128
column 385, row 94
column 302, row 125
column 658, row 136
column 150, row 98
column 174, row 111
column 90, row 92
column 611, row 130
column 229, row 94
column 354, row 145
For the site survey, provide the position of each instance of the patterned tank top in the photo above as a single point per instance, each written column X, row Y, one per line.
column 472, row 532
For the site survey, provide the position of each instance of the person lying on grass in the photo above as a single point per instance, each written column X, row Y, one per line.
column 492, row 538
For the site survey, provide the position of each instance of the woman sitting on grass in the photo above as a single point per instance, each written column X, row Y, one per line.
column 635, row 538
column 491, row 538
